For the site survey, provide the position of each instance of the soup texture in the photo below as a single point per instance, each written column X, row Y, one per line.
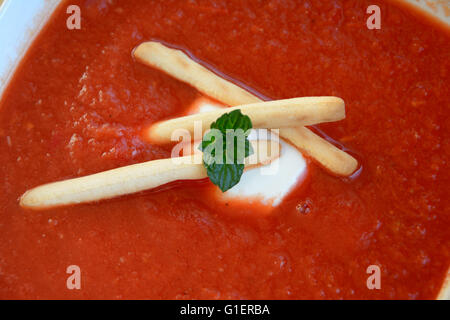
column 79, row 102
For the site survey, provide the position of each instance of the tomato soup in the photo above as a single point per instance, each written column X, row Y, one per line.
column 79, row 102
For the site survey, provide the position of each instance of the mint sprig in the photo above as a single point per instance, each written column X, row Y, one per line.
column 225, row 147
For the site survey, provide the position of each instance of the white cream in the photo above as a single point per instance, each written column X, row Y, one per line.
column 267, row 184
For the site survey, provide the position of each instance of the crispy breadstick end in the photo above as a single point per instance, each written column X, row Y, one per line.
column 268, row 115
column 178, row 65
column 328, row 155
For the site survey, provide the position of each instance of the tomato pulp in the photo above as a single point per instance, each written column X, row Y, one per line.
column 78, row 103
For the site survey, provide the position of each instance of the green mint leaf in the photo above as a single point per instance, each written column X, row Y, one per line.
column 225, row 148
column 225, row 176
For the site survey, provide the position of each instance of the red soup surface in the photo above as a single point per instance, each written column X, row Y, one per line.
column 78, row 103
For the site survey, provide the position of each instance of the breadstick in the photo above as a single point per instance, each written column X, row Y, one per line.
column 177, row 64
column 268, row 115
column 112, row 183
column 128, row 180
column 328, row 155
